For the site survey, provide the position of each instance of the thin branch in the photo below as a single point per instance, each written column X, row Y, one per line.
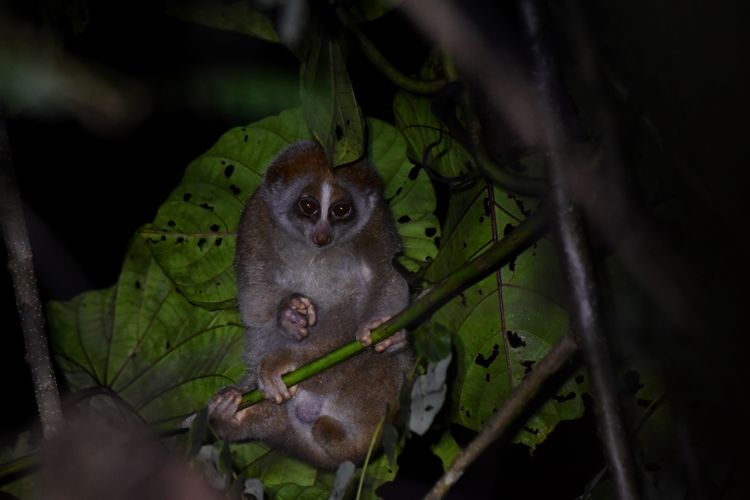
column 577, row 262
column 517, row 401
column 377, row 58
column 21, row 267
column 496, row 256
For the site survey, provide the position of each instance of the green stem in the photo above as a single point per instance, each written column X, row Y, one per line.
column 496, row 256
column 377, row 58
column 502, row 177
column 374, row 440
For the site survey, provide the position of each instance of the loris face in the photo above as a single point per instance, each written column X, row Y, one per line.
column 316, row 205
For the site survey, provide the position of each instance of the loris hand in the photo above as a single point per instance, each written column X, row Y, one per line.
column 296, row 314
column 270, row 383
column 395, row 342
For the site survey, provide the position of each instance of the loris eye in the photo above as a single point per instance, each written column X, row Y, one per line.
column 308, row 207
column 341, row 210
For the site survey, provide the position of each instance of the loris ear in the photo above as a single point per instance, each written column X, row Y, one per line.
column 296, row 160
column 361, row 177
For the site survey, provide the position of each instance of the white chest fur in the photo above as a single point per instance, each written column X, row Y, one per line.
column 325, row 277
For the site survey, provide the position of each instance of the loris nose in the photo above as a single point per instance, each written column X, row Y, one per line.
column 321, row 239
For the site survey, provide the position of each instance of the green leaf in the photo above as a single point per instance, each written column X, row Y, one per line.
column 330, row 106
column 142, row 348
column 285, row 477
column 194, row 233
column 411, row 197
column 507, row 322
column 427, row 144
column 20, row 485
column 446, row 449
column 238, row 16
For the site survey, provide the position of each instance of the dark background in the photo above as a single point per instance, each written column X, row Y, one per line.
column 87, row 192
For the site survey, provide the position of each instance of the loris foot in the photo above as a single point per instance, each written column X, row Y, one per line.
column 393, row 343
column 270, row 383
column 297, row 314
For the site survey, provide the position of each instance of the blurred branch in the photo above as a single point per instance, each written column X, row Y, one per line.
column 517, row 401
column 577, row 262
column 377, row 58
column 534, row 111
column 21, row 267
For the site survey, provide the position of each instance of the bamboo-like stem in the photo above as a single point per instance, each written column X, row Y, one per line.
column 517, row 401
column 377, row 58
column 21, row 267
column 496, row 256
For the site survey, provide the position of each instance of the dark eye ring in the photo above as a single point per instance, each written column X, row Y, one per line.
column 308, row 207
column 341, row 210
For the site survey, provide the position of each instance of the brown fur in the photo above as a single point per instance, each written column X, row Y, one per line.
column 332, row 416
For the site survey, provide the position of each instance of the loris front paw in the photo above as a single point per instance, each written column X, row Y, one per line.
column 270, row 383
column 297, row 314
column 393, row 343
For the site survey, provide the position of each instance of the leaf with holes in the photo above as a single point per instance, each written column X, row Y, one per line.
column 409, row 193
column 193, row 235
column 429, row 141
column 506, row 323
column 140, row 350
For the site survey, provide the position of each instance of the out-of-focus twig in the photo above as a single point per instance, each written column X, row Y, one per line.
column 577, row 261
column 507, row 90
column 37, row 75
column 517, row 401
column 534, row 111
column 30, row 311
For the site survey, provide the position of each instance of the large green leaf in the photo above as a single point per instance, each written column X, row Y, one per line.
column 194, row 232
column 508, row 321
column 193, row 235
column 141, row 348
